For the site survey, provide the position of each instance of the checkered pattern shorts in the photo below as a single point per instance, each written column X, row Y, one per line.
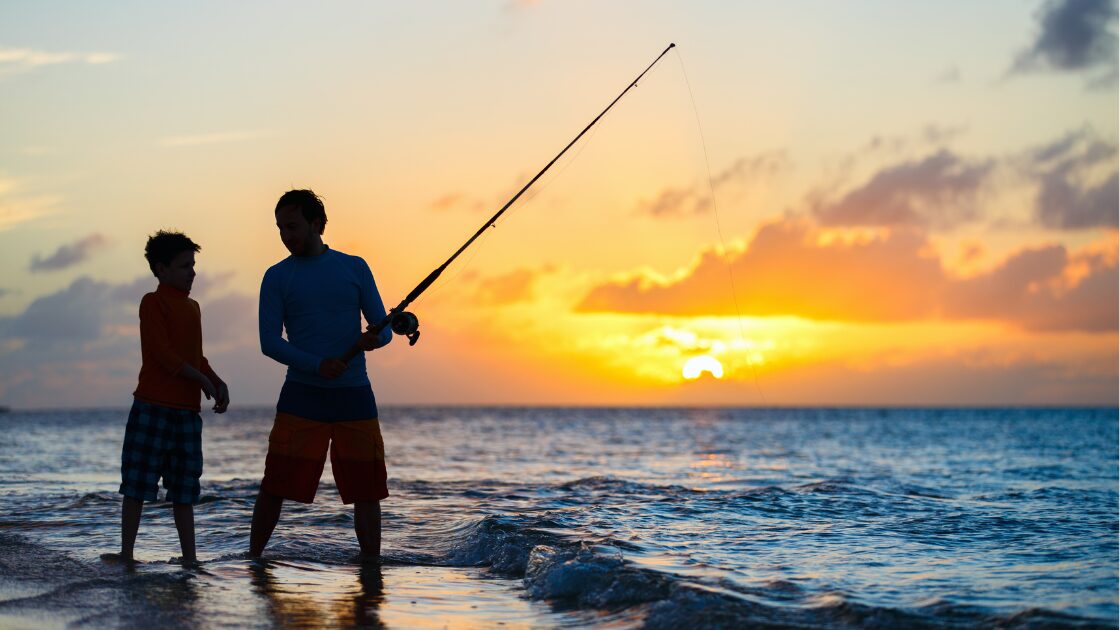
column 161, row 442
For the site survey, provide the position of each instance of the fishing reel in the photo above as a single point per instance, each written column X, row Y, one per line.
column 407, row 325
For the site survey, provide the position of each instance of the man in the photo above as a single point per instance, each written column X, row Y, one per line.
column 318, row 295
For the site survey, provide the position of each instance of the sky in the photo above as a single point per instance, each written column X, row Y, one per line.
column 819, row 203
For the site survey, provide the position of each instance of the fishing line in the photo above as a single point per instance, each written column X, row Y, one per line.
column 404, row 323
column 438, row 288
column 525, row 203
column 719, row 230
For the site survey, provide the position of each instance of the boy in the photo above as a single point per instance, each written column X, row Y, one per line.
column 164, row 433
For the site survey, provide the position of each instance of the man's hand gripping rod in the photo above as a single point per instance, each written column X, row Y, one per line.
column 404, row 323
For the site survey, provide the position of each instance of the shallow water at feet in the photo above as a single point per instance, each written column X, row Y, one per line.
column 604, row 517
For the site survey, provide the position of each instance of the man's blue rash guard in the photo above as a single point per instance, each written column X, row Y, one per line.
column 318, row 300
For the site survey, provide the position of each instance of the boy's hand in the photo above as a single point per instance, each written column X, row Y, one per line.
column 331, row 368
column 208, row 388
column 222, row 400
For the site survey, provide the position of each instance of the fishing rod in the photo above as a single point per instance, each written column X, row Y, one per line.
column 405, row 323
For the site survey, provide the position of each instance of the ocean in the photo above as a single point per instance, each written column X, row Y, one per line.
column 594, row 517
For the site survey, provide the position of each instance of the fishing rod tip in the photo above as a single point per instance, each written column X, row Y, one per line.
column 672, row 45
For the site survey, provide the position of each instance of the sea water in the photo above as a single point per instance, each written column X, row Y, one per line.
column 589, row 517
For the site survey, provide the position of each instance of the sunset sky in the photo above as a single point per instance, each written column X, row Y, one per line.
column 914, row 202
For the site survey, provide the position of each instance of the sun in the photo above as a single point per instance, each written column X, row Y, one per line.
column 696, row 366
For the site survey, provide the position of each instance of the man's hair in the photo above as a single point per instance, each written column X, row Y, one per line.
column 164, row 246
column 309, row 204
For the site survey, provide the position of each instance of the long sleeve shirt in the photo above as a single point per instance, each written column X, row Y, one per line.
column 319, row 302
column 171, row 337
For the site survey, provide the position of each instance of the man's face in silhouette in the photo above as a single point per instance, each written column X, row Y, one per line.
column 296, row 232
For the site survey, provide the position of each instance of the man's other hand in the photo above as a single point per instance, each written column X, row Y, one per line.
column 368, row 340
column 331, row 368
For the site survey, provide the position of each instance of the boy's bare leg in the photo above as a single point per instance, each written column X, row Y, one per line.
column 265, row 514
column 367, row 525
column 130, row 523
column 184, row 523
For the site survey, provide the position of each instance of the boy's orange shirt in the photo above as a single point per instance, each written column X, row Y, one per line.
column 171, row 336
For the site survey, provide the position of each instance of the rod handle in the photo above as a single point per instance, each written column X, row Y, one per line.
column 356, row 349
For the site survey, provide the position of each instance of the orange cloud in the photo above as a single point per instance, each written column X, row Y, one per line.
column 1043, row 288
column 463, row 201
column 446, row 202
column 786, row 271
column 515, row 286
column 791, row 267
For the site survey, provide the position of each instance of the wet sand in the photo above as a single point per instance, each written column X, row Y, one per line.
column 267, row 594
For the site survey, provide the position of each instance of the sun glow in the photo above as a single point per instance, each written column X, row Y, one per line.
column 696, row 366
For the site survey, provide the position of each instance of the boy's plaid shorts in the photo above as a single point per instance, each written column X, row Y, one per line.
column 161, row 442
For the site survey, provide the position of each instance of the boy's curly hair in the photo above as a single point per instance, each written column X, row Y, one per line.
column 164, row 246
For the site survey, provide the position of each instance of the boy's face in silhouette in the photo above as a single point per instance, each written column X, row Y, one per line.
column 296, row 232
column 180, row 273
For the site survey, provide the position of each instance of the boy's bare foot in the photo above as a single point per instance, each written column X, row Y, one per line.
column 117, row 558
column 369, row 558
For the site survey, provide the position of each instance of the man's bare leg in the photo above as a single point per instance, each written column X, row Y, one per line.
column 184, row 524
column 367, row 525
column 266, row 513
column 130, row 524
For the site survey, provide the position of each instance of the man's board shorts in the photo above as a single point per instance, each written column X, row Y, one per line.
column 161, row 442
column 308, row 420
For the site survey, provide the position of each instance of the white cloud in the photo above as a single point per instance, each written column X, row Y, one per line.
column 19, row 60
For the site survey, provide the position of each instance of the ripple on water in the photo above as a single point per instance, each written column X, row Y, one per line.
column 816, row 518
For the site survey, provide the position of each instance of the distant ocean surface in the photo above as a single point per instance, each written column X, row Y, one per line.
column 582, row 517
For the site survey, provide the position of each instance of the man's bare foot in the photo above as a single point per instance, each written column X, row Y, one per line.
column 368, row 558
column 187, row 563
